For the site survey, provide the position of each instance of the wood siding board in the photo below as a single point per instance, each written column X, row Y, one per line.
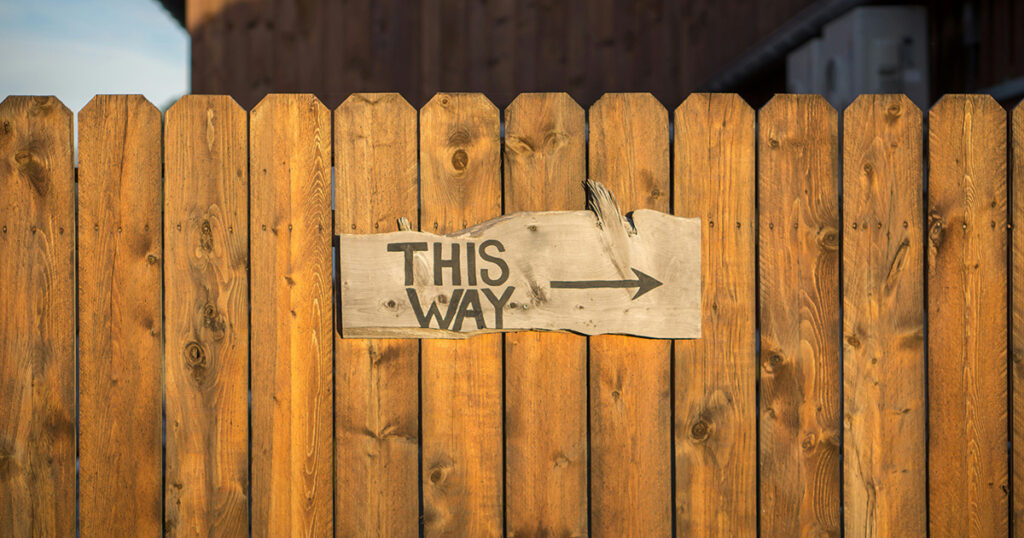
column 206, row 364
column 37, row 318
column 630, row 387
column 716, row 376
column 883, row 324
column 292, row 317
column 461, row 379
column 545, row 373
column 798, row 225
column 377, row 381
column 120, row 322
column 967, row 301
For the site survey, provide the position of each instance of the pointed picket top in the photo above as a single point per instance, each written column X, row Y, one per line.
column 288, row 100
column 35, row 104
column 209, row 100
column 131, row 100
column 374, row 98
column 704, row 100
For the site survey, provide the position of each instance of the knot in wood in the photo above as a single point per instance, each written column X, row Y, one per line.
column 460, row 159
column 7, row 460
column 212, row 320
column 195, row 357
column 935, row 229
column 40, row 103
column 699, row 431
column 773, row 361
column 206, row 236
column 828, row 239
column 33, row 170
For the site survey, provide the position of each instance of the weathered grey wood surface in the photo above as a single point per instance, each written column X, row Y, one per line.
column 591, row 272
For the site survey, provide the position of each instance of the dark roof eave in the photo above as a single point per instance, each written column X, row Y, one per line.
column 176, row 8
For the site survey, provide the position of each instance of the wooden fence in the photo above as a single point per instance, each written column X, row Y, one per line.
column 854, row 371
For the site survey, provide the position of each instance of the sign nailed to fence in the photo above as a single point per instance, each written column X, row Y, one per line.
column 591, row 272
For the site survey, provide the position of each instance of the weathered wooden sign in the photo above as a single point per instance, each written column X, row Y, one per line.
column 590, row 272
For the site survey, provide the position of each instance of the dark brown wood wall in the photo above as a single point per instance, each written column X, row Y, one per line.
column 332, row 48
column 500, row 47
column 975, row 45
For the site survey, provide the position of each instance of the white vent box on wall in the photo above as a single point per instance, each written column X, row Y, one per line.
column 880, row 49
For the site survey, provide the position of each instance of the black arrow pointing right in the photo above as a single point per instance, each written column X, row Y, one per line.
column 643, row 282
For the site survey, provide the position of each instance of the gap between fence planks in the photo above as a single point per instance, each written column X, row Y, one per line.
column 545, row 373
column 630, row 401
column 967, row 257
column 799, row 311
column 120, row 322
column 461, row 379
column 883, row 318
column 1017, row 299
column 292, row 335
column 37, row 318
column 206, row 358
column 377, row 381
column 716, row 376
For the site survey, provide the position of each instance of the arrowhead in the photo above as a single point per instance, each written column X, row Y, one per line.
column 646, row 282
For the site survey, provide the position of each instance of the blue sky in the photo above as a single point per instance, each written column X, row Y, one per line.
column 75, row 49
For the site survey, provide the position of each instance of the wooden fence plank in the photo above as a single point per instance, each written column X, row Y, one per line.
column 37, row 319
column 800, row 330
column 377, row 381
column 292, row 317
column 883, row 321
column 1017, row 337
column 545, row 373
column 461, row 380
column 967, row 256
column 120, row 321
column 206, row 360
column 630, row 403
column 716, row 376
